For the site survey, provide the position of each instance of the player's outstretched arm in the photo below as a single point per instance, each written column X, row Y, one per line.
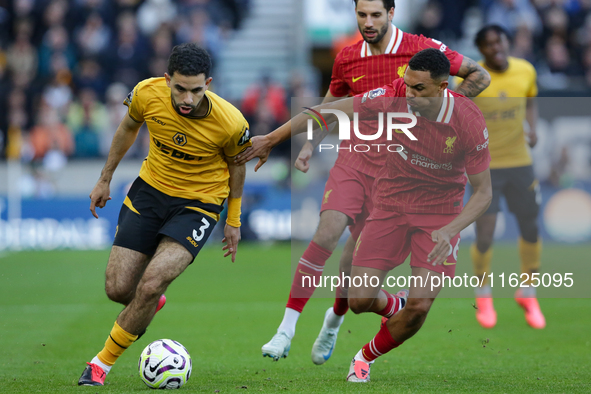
column 232, row 228
column 476, row 206
column 476, row 78
column 122, row 140
column 262, row 145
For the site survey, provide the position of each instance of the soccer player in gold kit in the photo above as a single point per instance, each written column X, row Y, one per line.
column 510, row 111
column 174, row 204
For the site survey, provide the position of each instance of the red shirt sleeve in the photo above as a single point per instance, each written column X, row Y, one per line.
column 455, row 58
column 338, row 86
column 477, row 156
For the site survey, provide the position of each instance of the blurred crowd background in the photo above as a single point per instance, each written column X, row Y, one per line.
column 66, row 65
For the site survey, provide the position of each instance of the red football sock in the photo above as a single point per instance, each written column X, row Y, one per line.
column 310, row 268
column 381, row 344
column 341, row 303
column 392, row 306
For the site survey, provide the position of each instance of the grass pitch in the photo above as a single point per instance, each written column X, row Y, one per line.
column 54, row 316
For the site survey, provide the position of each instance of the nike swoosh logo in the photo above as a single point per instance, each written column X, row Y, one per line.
column 327, row 355
column 152, row 369
column 358, row 78
column 305, row 273
column 446, row 263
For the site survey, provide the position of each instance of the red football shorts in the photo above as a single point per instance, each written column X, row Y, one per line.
column 349, row 191
column 389, row 237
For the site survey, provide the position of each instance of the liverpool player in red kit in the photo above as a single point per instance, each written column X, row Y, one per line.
column 381, row 57
column 418, row 197
column 418, row 203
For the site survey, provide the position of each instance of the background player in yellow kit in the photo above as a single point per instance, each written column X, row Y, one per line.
column 174, row 204
column 510, row 111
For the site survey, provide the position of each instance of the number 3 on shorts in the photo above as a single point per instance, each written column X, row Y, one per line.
column 198, row 234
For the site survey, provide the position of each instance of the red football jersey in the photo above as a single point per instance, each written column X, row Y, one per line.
column 357, row 71
column 428, row 175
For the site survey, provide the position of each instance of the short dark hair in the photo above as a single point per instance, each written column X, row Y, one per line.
column 189, row 59
column 387, row 4
column 481, row 35
column 432, row 60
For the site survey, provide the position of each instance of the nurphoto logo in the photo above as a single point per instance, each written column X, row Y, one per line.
column 344, row 123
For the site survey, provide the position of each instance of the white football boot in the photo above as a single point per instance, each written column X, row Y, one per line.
column 278, row 346
column 359, row 371
column 326, row 341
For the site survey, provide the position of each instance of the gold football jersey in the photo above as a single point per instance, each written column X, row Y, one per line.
column 503, row 105
column 186, row 156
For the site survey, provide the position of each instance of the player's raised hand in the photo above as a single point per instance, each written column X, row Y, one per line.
column 442, row 248
column 302, row 163
column 261, row 148
column 231, row 238
column 99, row 196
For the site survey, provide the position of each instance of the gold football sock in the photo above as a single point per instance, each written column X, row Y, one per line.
column 481, row 262
column 116, row 343
column 530, row 255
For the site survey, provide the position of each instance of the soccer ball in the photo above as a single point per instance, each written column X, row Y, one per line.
column 165, row 364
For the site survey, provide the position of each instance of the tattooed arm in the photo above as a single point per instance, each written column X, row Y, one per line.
column 476, row 78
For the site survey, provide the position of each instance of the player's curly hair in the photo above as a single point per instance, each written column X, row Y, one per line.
column 189, row 59
column 387, row 4
column 481, row 35
column 432, row 60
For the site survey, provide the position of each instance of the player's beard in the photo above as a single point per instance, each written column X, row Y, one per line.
column 177, row 108
column 378, row 37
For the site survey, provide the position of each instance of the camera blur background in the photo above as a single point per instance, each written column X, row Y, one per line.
column 66, row 66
